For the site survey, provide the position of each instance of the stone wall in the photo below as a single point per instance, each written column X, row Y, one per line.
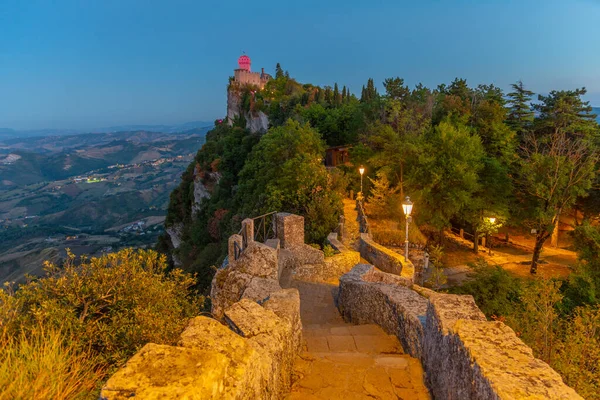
column 370, row 296
column 464, row 355
column 384, row 258
column 254, row 275
column 250, row 359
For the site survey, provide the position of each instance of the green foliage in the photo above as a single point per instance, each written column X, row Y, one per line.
column 437, row 277
column 495, row 291
column 328, row 251
column 577, row 356
column 449, row 161
column 285, row 172
column 113, row 304
column 46, row 364
column 535, row 311
column 384, row 201
column 520, row 116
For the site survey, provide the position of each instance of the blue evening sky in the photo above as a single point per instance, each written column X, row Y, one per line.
column 93, row 63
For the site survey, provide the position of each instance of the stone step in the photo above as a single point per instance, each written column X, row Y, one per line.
column 369, row 344
column 343, row 330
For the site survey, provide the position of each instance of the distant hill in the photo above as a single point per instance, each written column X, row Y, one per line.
column 13, row 133
column 25, row 161
column 596, row 111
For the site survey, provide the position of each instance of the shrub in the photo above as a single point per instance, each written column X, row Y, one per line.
column 496, row 292
column 43, row 364
column 328, row 251
column 112, row 305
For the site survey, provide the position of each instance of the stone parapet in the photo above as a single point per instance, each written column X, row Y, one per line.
column 464, row 355
column 211, row 361
column 471, row 358
column 384, row 258
column 333, row 240
column 290, row 229
column 254, row 275
column 370, row 296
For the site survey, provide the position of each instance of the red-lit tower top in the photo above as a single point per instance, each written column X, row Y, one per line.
column 244, row 62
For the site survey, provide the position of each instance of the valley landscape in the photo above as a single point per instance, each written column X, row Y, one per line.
column 89, row 193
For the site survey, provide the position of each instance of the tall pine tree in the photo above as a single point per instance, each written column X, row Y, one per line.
column 278, row 71
column 520, row 116
column 336, row 94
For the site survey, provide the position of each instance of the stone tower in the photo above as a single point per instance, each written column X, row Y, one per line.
column 244, row 76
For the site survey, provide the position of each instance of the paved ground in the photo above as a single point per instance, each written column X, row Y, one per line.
column 344, row 361
column 351, row 228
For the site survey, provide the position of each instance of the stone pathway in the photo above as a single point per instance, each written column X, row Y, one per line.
column 351, row 228
column 344, row 361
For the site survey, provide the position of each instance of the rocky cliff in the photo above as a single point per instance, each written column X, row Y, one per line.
column 256, row 121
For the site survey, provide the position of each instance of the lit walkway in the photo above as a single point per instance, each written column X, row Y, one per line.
column 344, row 361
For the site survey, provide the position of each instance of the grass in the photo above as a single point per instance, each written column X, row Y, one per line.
column 44, row 364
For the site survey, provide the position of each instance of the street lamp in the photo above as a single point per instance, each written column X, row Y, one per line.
column 362, row 171
column 407, row 206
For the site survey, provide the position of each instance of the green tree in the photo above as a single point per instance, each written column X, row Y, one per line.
column 383, row 199
column 278, row 71
column 447, row 173
column 520, row 117
column 437, row 278
column 337, row 100
column 285, row 172
column 395, row 89
column 554, row 171
column 565, row 111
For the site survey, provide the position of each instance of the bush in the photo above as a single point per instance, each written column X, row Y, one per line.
column 43, row 364
column 496, row 292
column 112, row 305
column 328, row 251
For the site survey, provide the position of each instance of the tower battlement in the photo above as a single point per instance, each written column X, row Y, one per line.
column 243, row 75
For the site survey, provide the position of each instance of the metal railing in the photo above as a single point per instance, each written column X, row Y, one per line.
column 264, row 228
column 463, row 234
column 363, row 222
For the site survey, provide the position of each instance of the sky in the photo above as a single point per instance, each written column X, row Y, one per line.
column 88, row 64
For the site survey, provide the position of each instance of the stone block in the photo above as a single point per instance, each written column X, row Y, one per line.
column 248, row 231
column 290, row 229
column 259, row 289
column 271, row 336
column 234, row 247
column 170, row 373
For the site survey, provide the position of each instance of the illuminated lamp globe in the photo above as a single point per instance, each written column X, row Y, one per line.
column 407, row 206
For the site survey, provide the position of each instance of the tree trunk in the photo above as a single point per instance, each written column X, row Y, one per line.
column 442, row 237
column 554, row 240
column 537, row 251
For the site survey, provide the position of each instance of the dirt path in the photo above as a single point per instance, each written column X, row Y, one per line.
column 344, row 361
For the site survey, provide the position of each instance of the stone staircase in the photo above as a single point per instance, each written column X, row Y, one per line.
column 345, row 361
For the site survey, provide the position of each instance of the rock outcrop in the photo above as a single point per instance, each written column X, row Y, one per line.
column 211, row 361
column 256, row 122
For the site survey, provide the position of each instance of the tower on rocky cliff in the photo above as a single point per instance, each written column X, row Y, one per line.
column 244, row 76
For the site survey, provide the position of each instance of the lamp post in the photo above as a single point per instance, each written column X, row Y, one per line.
column 362, row 171
column 407, row 206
